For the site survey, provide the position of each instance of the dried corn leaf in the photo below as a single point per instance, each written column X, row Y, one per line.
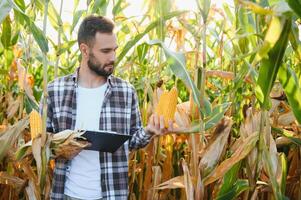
column 224, row 75
column 289, row 134
column 277, row 90
column 36, row 151
column 153, row 194
column 64, row 139
column 156, row 96
column 13, row 106
column 2, row 128
column 9, row 137
column 270, row 159
column 176, row 182
column 242, row 151
column 23, row 150
column 31, row 192
column 275, row 104
column 270, row 169
column 283, row 141
column 286, row 119
column 214, row 151
column 199, row 193
column 187, row 182
column 273, row 154
column 251, row 126
column 62, row 136
column 182, row 118
column 24, row 81
column 11, row 180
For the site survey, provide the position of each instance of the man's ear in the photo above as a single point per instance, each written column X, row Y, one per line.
column 85, row 50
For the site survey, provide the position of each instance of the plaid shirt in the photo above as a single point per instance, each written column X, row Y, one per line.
column 120, row 113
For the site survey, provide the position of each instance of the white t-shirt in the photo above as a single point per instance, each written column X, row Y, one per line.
column 83, row 173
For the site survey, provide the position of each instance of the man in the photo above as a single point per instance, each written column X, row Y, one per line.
column 93, row 99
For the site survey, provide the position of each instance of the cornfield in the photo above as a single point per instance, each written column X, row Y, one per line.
column 234, row 76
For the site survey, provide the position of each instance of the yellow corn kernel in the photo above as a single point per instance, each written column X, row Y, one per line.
column 167, row 105
column 35, row 124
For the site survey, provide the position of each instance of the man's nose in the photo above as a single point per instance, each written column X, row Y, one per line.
column 112, row 57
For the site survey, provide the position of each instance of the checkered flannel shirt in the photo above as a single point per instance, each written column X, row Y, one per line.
column 119, row 113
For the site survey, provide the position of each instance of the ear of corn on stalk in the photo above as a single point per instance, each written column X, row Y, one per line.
column 35, row 121
column 167, row 105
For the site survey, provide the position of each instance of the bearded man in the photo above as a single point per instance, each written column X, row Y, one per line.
column 93, row 99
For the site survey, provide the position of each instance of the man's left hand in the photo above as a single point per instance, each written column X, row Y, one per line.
column 157, row 127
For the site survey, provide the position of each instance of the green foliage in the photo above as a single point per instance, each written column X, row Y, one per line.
column 270, row 66
column 232, row 186
column 295, row 5
column 290, row 83
column 5, row 7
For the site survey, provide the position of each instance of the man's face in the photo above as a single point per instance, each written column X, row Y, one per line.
column 102, row 54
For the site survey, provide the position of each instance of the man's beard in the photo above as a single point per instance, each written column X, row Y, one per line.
column 99, row 68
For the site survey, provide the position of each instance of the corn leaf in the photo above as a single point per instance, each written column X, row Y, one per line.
column 5, row 7
column 295, row 5
column 23, row 150
column 283, row 172
column 177, row 63
column 270, row 66
column 137, row 38
column 38, row 35
column 76, row 16
column 204, row 7
column 267, row 162
column 6, row 33
column 217, row 114
column 228, row 181
column 271, row 37
column 118, row 7
column 287, row 134
column 99, row 7
column 257, row 8
column 235, row 189
column 295, row 41
column 290, row 84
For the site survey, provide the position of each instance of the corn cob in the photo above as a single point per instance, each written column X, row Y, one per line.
column 35, row 124
column 167, row 105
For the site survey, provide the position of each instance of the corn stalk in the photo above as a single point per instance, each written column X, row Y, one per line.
column 58, row 51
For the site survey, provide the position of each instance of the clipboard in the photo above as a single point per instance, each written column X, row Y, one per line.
column 105, row 141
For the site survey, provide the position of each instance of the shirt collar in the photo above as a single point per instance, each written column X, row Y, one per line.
column 110, row 79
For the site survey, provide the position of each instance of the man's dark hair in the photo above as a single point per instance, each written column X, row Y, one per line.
column 90, row 26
